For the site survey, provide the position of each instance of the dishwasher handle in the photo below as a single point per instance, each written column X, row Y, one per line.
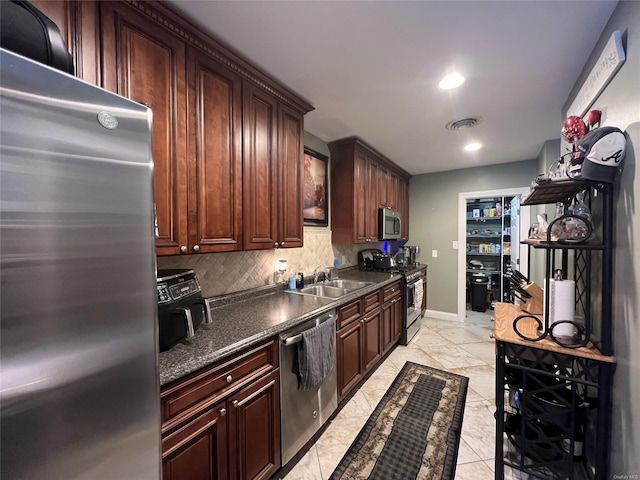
column 294, row 339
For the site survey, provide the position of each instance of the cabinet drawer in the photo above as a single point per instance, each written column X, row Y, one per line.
column 205, row 388
column 391, row 291
column 349, row 313
column 372, row 300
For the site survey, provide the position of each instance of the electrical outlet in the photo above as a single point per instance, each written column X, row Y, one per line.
column 344, row 260
column 434, row 253
column 455, row 245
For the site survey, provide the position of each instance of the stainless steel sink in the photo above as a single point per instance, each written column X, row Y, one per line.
column 323, row 291
column 349, row 284
column 332, row 288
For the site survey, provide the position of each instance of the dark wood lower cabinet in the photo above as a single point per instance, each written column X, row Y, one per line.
column 238, row 438
column 198, row 450
column 363, row 338
column 254, row 424
column 396, row 319
column 372, row 339
column 223, row 422
column 349, row 358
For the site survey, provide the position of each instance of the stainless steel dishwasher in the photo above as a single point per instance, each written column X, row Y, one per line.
column 303, row 412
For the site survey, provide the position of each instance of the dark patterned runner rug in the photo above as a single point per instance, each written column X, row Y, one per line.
column 414, row 432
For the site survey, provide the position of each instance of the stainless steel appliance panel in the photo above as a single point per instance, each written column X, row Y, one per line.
column 413, row 311
column 303, row 412
column 389, row 223
column 79, row 379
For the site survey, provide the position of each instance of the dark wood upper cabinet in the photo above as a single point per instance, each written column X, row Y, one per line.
column 362, row 180
column 146, row 63
column 260, row 169
column 78, row 24
column 214, row 95
column 227, row 139
column 290, row 154
column 273, row 161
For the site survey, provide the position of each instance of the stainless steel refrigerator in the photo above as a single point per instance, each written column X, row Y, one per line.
column 78, row 342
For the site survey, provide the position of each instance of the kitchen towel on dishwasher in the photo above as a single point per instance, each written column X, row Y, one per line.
column 317, row 353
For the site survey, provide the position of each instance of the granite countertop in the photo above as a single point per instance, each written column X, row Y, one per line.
column 248, row 318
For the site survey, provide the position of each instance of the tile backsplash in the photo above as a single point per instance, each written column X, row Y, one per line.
column 220, row 273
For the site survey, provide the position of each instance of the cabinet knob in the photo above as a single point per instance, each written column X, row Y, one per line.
column 277, row 244
column 229, row 379
column 183, row 249
column 196, row 248
column 235, row 403
column 282, row 244
column 223, row 411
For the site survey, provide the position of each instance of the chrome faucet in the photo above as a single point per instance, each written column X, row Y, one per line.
column 316, row 274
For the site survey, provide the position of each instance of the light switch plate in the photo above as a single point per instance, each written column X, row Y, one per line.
column 434, row 253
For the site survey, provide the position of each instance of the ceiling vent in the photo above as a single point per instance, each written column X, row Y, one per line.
column 463, row 123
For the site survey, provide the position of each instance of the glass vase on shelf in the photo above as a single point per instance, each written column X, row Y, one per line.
column 580, row 208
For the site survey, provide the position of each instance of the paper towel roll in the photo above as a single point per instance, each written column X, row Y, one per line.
column 562, row 297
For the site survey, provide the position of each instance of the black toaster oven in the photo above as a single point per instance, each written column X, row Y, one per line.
column 181, row 307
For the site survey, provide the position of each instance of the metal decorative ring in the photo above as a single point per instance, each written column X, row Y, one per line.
column 540, row 327
column 581, row 334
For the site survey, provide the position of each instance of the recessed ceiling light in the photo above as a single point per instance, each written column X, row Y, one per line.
column 472, row 147
column 452, row 80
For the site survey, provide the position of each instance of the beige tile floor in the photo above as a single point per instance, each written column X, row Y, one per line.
column 464, row 348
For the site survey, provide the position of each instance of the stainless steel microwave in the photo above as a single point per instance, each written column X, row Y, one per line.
column 389, row 223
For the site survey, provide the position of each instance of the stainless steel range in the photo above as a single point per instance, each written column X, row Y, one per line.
column 413, row 292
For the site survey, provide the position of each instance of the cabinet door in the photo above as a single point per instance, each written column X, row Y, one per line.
column 260, row 174
column 290, row 148
column 371, row 203
column 372, row 352
column 383, row 180
column 360, row 179
column 146, row 63
column 403, row 207
column 388, row 327
column 254, row 419
column 392, row 191
column 214, row 96
column 198, row 451
column 396, row 318
column 77, row 22
column 349, row 346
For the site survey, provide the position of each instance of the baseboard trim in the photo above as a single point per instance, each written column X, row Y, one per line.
column 442, row 315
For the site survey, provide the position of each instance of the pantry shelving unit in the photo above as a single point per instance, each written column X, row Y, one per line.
column 553, row 399
column 488, row 244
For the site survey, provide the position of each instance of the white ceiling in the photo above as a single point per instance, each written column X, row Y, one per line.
column 371, row 69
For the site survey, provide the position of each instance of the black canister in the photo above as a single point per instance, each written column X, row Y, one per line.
column 300, row 281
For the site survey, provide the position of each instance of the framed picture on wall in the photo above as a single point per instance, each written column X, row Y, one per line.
column 315, row 182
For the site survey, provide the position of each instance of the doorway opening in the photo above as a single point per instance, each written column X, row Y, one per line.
column 490, row 226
